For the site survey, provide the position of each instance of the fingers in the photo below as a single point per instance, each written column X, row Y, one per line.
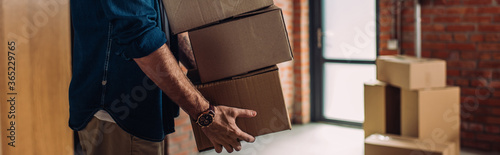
column 236, row 145
column 228, row 143
column 217, row 147
column 228, row 148
column 234, row 142
column 244, row 136
column 245, row 113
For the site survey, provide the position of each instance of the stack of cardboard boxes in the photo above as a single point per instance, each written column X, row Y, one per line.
column 236, row 46
column 410, row 110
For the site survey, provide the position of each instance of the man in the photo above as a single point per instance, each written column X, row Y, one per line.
column 121, row 64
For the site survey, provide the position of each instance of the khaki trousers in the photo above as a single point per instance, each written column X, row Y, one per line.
column 107, row 138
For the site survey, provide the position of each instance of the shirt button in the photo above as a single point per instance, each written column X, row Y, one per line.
column 104, row 82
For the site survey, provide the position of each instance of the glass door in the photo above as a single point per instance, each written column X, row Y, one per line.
column 344, row 49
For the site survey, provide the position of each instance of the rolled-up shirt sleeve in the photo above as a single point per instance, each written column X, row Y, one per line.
column 135, row 31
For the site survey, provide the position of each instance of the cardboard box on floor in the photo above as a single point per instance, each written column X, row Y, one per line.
column 184, row 15
column 259, row 91
column 431, row 114
column 410, row 72
column 253, row 41
column 382, row 109
column 386, row 144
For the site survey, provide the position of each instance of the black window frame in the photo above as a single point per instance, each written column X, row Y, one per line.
column 318, row 61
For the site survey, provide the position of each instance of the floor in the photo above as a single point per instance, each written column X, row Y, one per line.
column 312, row 139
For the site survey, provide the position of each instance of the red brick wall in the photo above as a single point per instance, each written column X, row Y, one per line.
column 295, row 74
column 294, row 77
column 286, row 69
column 466, row 33
column 300, row 43
column 181, row 142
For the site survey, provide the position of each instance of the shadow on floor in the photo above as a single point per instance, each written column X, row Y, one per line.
column 312, row 139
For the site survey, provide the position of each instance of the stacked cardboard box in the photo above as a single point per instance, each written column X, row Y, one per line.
column 236, row 46
column 259, row 91
column 415, row 88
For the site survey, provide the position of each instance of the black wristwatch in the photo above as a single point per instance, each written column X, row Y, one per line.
column 206, row 118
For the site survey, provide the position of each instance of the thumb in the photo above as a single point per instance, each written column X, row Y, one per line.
column 245, row 113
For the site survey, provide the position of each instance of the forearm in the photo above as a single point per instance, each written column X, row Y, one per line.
column 161, row 67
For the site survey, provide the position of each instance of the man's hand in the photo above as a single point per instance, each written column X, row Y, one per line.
column 224, row 132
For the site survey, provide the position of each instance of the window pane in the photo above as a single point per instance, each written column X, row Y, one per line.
column 349, row 30
column 343, row 90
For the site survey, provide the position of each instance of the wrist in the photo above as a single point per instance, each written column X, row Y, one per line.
column 206, row 118
column 202, row 107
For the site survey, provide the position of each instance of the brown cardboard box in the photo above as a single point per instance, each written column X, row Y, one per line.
column 431, row 114
column 259, row 91
column 236, row 47
column 382, row 109
column 184, row 15
column 380, row 144
column 410, row 72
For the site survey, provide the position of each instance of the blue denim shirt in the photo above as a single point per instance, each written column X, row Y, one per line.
column 107, row 35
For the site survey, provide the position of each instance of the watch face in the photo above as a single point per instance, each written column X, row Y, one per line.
column 205, row 119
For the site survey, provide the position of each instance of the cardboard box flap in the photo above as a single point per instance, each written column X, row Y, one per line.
column 194, row 76
column 235, row 17
column 256, row 72
column 253, row 73
column 406, row 143
column 263, row 10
